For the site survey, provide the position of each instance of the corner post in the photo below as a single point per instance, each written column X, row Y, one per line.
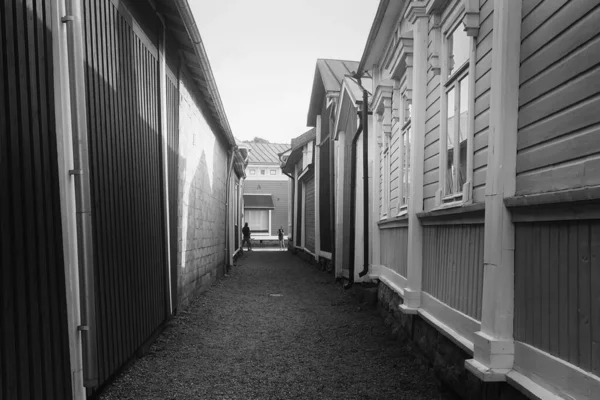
column 494, row 345
column 418, row 17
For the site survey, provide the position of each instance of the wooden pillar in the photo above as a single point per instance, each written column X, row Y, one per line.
column 494, row 346
column 418, row 17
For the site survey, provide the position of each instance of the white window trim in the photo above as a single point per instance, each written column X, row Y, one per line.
column 405, row 97
column 463, row 196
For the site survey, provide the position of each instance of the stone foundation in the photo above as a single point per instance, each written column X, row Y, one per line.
column 446, row 358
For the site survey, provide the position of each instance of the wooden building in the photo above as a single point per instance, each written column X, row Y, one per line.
column 484, row 216
column 114, row 146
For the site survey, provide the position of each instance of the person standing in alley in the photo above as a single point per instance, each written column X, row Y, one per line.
column 246, row 239
column 280, row 233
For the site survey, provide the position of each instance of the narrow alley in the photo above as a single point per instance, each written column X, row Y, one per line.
column 276, row 328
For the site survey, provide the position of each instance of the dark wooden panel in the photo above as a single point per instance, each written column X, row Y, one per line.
column 34, row 349
column 126, row 182
column 453, row 266
column 324, row 198
column 557, row 303
column 394, row 249
column 309, row 221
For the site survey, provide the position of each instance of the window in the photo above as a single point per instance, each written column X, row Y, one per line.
column 405, row 156
column 273, row 172
column 456, row 114
column 252, row 171
column 263, row 172
column 258, row 220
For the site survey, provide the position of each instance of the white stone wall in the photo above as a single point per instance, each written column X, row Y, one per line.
column 201, row 216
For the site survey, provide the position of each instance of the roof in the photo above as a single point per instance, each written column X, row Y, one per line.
column 181, row 25
column 289, row 160
column 328, row 79
column 258, row 201
column 265, row 153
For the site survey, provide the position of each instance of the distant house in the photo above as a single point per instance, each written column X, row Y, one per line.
column 298, row 164
column 266, row 191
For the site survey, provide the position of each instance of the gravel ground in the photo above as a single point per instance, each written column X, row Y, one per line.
column 276, row 328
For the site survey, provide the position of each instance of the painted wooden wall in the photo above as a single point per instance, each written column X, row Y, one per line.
column 309, row 220
column 394, row 248
column 557, row 296
column 34, row 347
column 559, row 96
column 325, row 216
column 395, row 171
column 483, row 66
column 172, row 94
column 453, row 266
column 124, row 137
column 279, row 191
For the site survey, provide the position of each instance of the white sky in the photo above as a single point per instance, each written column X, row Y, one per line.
column 263, row 55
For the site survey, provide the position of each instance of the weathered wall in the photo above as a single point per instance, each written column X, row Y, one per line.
column 201, row 223
column 453, row 266
column 557, row 277
column 559, row 97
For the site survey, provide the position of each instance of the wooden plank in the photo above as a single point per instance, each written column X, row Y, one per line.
column 432, row 136
column 573, row 300
column 520, row 281
column 584, row 295
column 561, row 98
column 482, row 123
column 570, row 67
column 432, row 163
column 569, row 120
column 539, row 16
column 480, row 176
column 482, row 103
column 563, row 149
column 553, row 289
column 537, row 285
column 431, row 150
column 529, row 6
column 595, row 295
column 484, row 45
column 526, row 242
column 568, row 17
column 480, row 158
column 563, row 291
column 584, row 172
column 544, row 283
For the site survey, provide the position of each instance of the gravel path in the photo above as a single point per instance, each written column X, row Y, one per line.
column 276, row 328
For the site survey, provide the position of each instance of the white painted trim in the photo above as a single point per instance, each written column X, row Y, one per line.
column 68, row 209
column 270, row 220
column 553, row 374
column 317, row 180
column 391, row 278
column 303, row 222
column 456, row 326
column 309, row 252
column 325, row 254
column 528, row 387
column 339, row 198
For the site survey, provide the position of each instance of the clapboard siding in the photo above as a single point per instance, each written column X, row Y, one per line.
column 279, row 191
column 453, row 266
column 557, row 302
column 394, row 177
column 394, row 249
column 309, row 221
column 559, row 96
column 125, row 175
column 34, row 348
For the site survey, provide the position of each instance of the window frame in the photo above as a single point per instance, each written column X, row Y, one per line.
column 405, row 105
column 459, row 195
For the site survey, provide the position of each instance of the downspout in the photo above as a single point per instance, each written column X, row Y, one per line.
column 83, row 196
column 353, row 204
column 227, row 190
column 365, row 119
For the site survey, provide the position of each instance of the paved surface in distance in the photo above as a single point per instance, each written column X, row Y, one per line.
column 276, row 328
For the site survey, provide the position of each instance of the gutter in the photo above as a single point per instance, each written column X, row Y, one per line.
column 194, row 34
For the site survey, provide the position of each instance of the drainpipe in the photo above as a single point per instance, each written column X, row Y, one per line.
column 353, row 204
column 83, row 197
column 227, row 190
column 365, row 119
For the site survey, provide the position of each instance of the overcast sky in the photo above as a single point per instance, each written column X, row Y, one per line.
column 263, row 55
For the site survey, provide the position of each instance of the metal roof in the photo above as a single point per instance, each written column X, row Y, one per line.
column 258, row 201
column 265, row 153
column 293, row 157
column 181, row 25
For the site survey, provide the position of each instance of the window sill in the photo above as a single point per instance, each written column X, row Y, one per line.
column 454, row 214
column 395, row 222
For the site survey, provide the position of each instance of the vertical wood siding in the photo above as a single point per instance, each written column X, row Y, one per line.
column 298, row 222
column 559, row 96
column 325, row 197
column 483, row 66
column 309, row 220
column 557, row 301
column 453, row 266
column 125, row 168
column 432, row 133
column 394, row 249
column 172, row 94
column 34, row 348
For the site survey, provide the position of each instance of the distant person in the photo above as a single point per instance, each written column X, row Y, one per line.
column 246, row 239
column 280, row 233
